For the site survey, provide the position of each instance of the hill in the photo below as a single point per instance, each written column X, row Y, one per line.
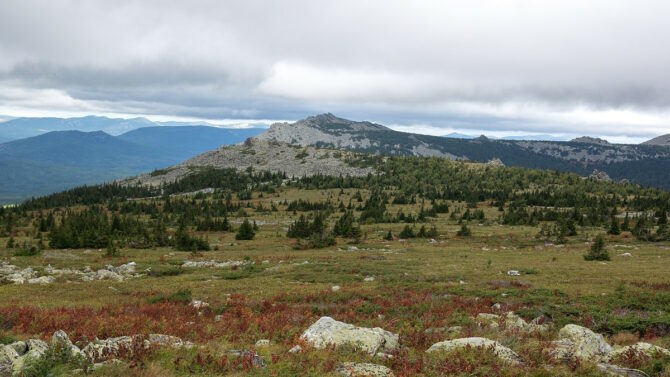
column 643, row 164
column 261, row 155
column 184, row 142
column 663, row 140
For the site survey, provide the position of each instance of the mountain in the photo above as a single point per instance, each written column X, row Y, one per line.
column 62, row 159
column 540, row 137
column 643, row 164
column 663, row 140
column 187, row 141
column 458, row 135
column 20, row 128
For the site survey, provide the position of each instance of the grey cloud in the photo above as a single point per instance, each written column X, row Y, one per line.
column 394, row 61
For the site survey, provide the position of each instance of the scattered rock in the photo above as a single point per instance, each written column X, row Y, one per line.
column 495, row 162
column 42, row 280
column 600, row 176
column 262, row 343
column 335, row 288
column 199, row 305
column 369, row 278
column 215, row 264
column 363, row 370
column 256, row 360
column 329, row 332
column 510, row 321
column 513, row 273
column 295, row 349
column 503, row 353
column 626, row 255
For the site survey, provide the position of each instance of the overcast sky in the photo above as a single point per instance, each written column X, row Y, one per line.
column 592, row 67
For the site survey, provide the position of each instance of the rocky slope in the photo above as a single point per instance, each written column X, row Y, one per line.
column 268, row 155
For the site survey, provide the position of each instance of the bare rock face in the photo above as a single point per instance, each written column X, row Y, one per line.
column 363, row 370
column 503, row 353
column 329, row 332
column 577, row 342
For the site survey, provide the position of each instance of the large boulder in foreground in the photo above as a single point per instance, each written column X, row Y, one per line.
column 578, row 343
column 503, row 353
column 363, row 370
column 328, row 332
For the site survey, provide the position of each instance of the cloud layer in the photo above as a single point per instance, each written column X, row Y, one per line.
column 569, row 67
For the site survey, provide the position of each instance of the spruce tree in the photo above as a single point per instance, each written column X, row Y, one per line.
column 614, row 227
column 597, row 251
column 246, row 231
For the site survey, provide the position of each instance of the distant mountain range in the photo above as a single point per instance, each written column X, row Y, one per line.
column 20, row 128
column 58, row 160
column 643, row 164
column 545, row 137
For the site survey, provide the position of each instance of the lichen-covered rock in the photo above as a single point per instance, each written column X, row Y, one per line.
column 640, row 349
column 329, row 332
column 101, row 350
column 35, row 350
column 510, row 321
column 168, row 341
column 7, row 356
column 363, row 370
column 20, row 347
column 41, row 280
column 503, row 353
column 255, row 359
column 614, row 370
column 577, row 342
